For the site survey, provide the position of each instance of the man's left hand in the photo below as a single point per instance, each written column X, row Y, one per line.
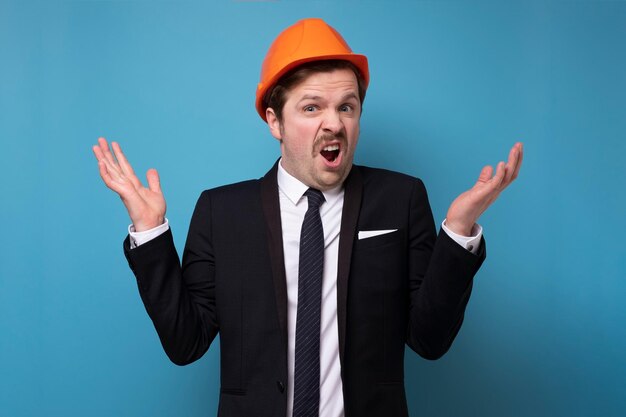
column 467, row 208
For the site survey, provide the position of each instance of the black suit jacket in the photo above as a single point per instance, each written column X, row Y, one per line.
column 409, row 286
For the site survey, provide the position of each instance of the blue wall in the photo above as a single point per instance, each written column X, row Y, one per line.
column 454, row 85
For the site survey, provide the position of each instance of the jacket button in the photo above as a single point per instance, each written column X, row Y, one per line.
column 281, row 386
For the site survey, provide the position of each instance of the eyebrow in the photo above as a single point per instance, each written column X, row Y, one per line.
column 350, row 95
column 309, row 97
column 347, row 96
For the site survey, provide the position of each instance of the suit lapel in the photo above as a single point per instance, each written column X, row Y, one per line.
column 349, row 218
column 271, row 211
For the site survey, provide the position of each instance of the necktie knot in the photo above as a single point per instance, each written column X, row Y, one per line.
column 315, row 197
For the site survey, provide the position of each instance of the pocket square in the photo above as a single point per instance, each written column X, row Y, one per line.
column 364, row 234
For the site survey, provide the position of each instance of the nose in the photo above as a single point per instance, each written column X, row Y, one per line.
column 332, row 122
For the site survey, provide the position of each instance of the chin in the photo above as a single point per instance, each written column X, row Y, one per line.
column 332, row 180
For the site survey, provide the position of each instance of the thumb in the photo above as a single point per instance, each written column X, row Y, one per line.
column 153, row 180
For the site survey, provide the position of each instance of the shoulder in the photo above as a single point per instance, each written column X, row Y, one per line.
column 244, row 189
column 395, row 181
column 231, row 196
column 238, row 188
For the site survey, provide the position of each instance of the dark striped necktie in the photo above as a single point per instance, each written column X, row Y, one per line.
column 306, row 397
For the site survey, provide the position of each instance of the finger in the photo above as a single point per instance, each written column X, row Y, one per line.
column 519, row 160
column 104, row 146
column 514, row 164
column 121, row 186
column 154, row 183
column 126, row 168
column 485, row 173
column 500, row 171
column 107, row 178
column 511, row 165
column 114, row 173
column 121, row 159
column 112, row 170
column 97, row 152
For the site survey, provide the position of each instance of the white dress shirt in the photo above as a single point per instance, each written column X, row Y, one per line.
column 293, row 206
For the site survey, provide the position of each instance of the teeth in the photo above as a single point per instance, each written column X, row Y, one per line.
column 331, row 148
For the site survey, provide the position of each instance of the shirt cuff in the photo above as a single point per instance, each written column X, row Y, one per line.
column 139, row 238
column 471, row 243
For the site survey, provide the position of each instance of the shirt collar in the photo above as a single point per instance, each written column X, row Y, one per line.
column 294, row 189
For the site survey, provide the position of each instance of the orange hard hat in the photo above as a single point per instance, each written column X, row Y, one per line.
column 306, row 41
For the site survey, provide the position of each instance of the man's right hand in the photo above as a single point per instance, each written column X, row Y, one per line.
column 146, row 206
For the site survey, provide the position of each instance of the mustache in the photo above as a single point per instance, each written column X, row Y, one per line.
column 329, row 137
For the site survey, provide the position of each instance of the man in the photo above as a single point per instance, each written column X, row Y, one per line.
column 316, row 275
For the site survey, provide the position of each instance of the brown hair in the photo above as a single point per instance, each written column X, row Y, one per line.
column 276, row 96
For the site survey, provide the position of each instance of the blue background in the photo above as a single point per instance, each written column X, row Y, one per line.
column 454, row 85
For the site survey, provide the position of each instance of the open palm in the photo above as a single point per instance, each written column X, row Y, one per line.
column 467, row 207
column 146, row 206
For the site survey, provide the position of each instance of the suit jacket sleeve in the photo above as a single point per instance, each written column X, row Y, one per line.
column 440, row 281
column 179, row 300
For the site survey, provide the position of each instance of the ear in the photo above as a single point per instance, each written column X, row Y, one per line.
column 273, row 123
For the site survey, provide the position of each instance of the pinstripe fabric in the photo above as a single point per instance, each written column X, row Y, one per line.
column 310, row 268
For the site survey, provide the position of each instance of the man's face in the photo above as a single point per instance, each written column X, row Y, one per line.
column 320, row 128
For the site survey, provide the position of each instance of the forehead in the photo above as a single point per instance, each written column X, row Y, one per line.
column 326, row 84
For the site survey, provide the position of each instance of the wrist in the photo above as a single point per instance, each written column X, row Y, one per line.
column 460, row 228
column 142, row 226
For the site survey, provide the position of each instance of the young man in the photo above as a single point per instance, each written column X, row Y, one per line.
column 317, row 274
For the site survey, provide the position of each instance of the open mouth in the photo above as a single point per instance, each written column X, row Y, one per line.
column 330, row 152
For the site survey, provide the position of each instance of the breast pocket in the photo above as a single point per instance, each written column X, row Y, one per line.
column 378, row 262
column 381, row 240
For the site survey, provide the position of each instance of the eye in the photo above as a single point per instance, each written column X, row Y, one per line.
column 309, row 108
column 346, row 108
